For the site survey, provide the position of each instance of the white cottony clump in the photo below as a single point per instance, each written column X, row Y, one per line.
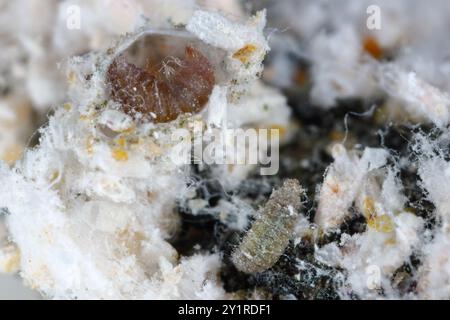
column 370, row 258
column 84, row 249
column 340, row 40
column 392, row 235
column 379, row 251
column 337, row 71
column 34, row 49
column 435, row 175
column 261, row 108
column 244, row 102
column 434, row 274
column 342, row 182
column 245, row 44
column 92, row 207
column 434, row 171
column 115, row 120
column 235, row 213
column 9, row 258
column 420, row 98
column 194, row 278
column 219, row 31
column 392, row 193
column 332, row 37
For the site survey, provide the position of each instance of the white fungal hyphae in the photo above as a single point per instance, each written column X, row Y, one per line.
column 269, row 235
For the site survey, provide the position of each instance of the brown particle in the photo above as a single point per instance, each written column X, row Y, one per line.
column 372, row 47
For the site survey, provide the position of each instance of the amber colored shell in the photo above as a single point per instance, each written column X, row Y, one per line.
column 161, row 93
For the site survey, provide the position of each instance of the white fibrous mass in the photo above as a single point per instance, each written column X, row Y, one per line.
column 225, row 149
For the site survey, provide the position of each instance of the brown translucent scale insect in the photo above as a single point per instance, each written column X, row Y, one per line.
column 162, row 92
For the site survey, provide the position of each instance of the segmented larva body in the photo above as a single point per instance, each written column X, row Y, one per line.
column 269, row 235
column 161, row 93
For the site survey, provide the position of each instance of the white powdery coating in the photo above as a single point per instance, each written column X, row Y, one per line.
column 342, row 183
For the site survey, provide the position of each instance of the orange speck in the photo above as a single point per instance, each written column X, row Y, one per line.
column 90, row 145
column 121, row 142
column 372, row 47
column 336, row 135
column 334, row 187
column 301, row 77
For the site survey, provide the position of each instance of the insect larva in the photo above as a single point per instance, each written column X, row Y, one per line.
column 162, row 92
column 269, row 235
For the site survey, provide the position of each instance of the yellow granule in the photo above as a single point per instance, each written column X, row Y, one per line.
column 244, row 53
column 381, row 223
column 119, row 154
column 12, row 154
column 369, row 207
column 90, row 145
